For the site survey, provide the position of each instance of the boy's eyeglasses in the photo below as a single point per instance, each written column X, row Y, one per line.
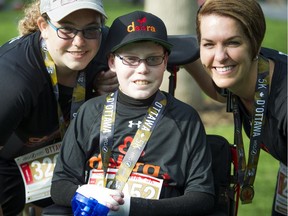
column 68, row 33
column 135, row 61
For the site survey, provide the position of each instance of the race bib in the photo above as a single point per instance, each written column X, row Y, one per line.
column 138, row 184
column 37, row 170
column 281, row 192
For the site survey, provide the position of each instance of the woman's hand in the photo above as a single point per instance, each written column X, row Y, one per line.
column 105, row 82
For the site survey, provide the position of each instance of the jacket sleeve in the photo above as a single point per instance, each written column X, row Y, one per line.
column 191, row 203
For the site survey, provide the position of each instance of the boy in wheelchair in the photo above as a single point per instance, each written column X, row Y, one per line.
column 167, row 155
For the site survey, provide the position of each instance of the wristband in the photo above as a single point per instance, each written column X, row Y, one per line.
column 83, row 206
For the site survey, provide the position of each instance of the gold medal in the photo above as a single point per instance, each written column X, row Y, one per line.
column 247, row 194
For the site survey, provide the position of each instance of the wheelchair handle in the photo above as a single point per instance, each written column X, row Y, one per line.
column 185, row 49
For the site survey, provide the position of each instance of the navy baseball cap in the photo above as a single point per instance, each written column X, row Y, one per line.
column 136, row 26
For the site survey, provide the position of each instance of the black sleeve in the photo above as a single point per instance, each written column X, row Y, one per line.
column 64, row 187
column 192, row 203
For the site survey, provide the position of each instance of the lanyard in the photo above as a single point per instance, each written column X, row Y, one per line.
column 247, row 173
column 107, row 131
column 152, row 117
column 78, row 96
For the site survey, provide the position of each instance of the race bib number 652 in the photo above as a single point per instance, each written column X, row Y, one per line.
column 138, row 184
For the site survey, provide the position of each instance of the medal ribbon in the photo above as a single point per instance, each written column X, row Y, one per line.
column 78, row 96
column 152, row 117
column 107, row 131
column 247, row 174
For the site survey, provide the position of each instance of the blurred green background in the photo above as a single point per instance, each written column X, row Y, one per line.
column 276, row 37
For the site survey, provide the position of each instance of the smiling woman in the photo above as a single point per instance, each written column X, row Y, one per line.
column 230, row 35
column 226, row 53
column 54, row 76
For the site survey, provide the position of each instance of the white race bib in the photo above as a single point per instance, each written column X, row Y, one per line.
column 37, row 170
column 138, row 184
column 281, row 192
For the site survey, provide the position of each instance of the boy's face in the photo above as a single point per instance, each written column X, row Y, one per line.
column 140, row 81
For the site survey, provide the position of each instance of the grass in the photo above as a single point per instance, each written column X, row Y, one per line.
column 265, row 180
column 115, row 8
column 8, row 25
column 276, row 37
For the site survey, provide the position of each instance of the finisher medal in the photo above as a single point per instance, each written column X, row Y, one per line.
column 247, row 194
